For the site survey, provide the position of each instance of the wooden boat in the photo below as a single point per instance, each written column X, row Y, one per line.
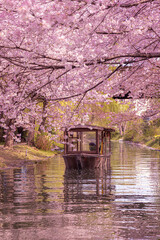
column 86, row 146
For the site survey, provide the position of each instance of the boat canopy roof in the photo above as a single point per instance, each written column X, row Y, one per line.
column 76, row 128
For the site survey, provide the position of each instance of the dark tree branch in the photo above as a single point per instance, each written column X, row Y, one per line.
column 89, row 89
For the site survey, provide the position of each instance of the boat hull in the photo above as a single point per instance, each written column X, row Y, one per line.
column 82, row 161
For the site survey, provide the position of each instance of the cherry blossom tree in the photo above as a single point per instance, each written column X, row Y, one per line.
column 77, row 50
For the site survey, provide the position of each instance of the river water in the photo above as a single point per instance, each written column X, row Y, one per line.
column 42, row 201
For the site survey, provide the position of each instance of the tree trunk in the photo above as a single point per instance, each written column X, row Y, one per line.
column 122, row 128
column 43, row 116
column 30, row 140
column 9, row 139
column 9, row 133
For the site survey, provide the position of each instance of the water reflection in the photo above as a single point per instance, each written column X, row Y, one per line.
column 85, row 189
column 40, row 200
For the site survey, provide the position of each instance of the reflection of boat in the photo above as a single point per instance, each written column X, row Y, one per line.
column 84, row 190
column 86, row 146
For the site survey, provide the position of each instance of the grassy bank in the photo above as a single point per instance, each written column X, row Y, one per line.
column 154, row 143
column 23, row 152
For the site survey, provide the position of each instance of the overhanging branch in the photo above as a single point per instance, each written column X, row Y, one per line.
column 88, row 90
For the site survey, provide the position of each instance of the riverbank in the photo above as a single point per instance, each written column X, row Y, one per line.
column 23, row 152
column 152, row 145
column 142, row 145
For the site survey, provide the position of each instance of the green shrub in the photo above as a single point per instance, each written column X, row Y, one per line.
column 43, row 142
column 129, row 136
column 148, row 129
column 157, row 122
